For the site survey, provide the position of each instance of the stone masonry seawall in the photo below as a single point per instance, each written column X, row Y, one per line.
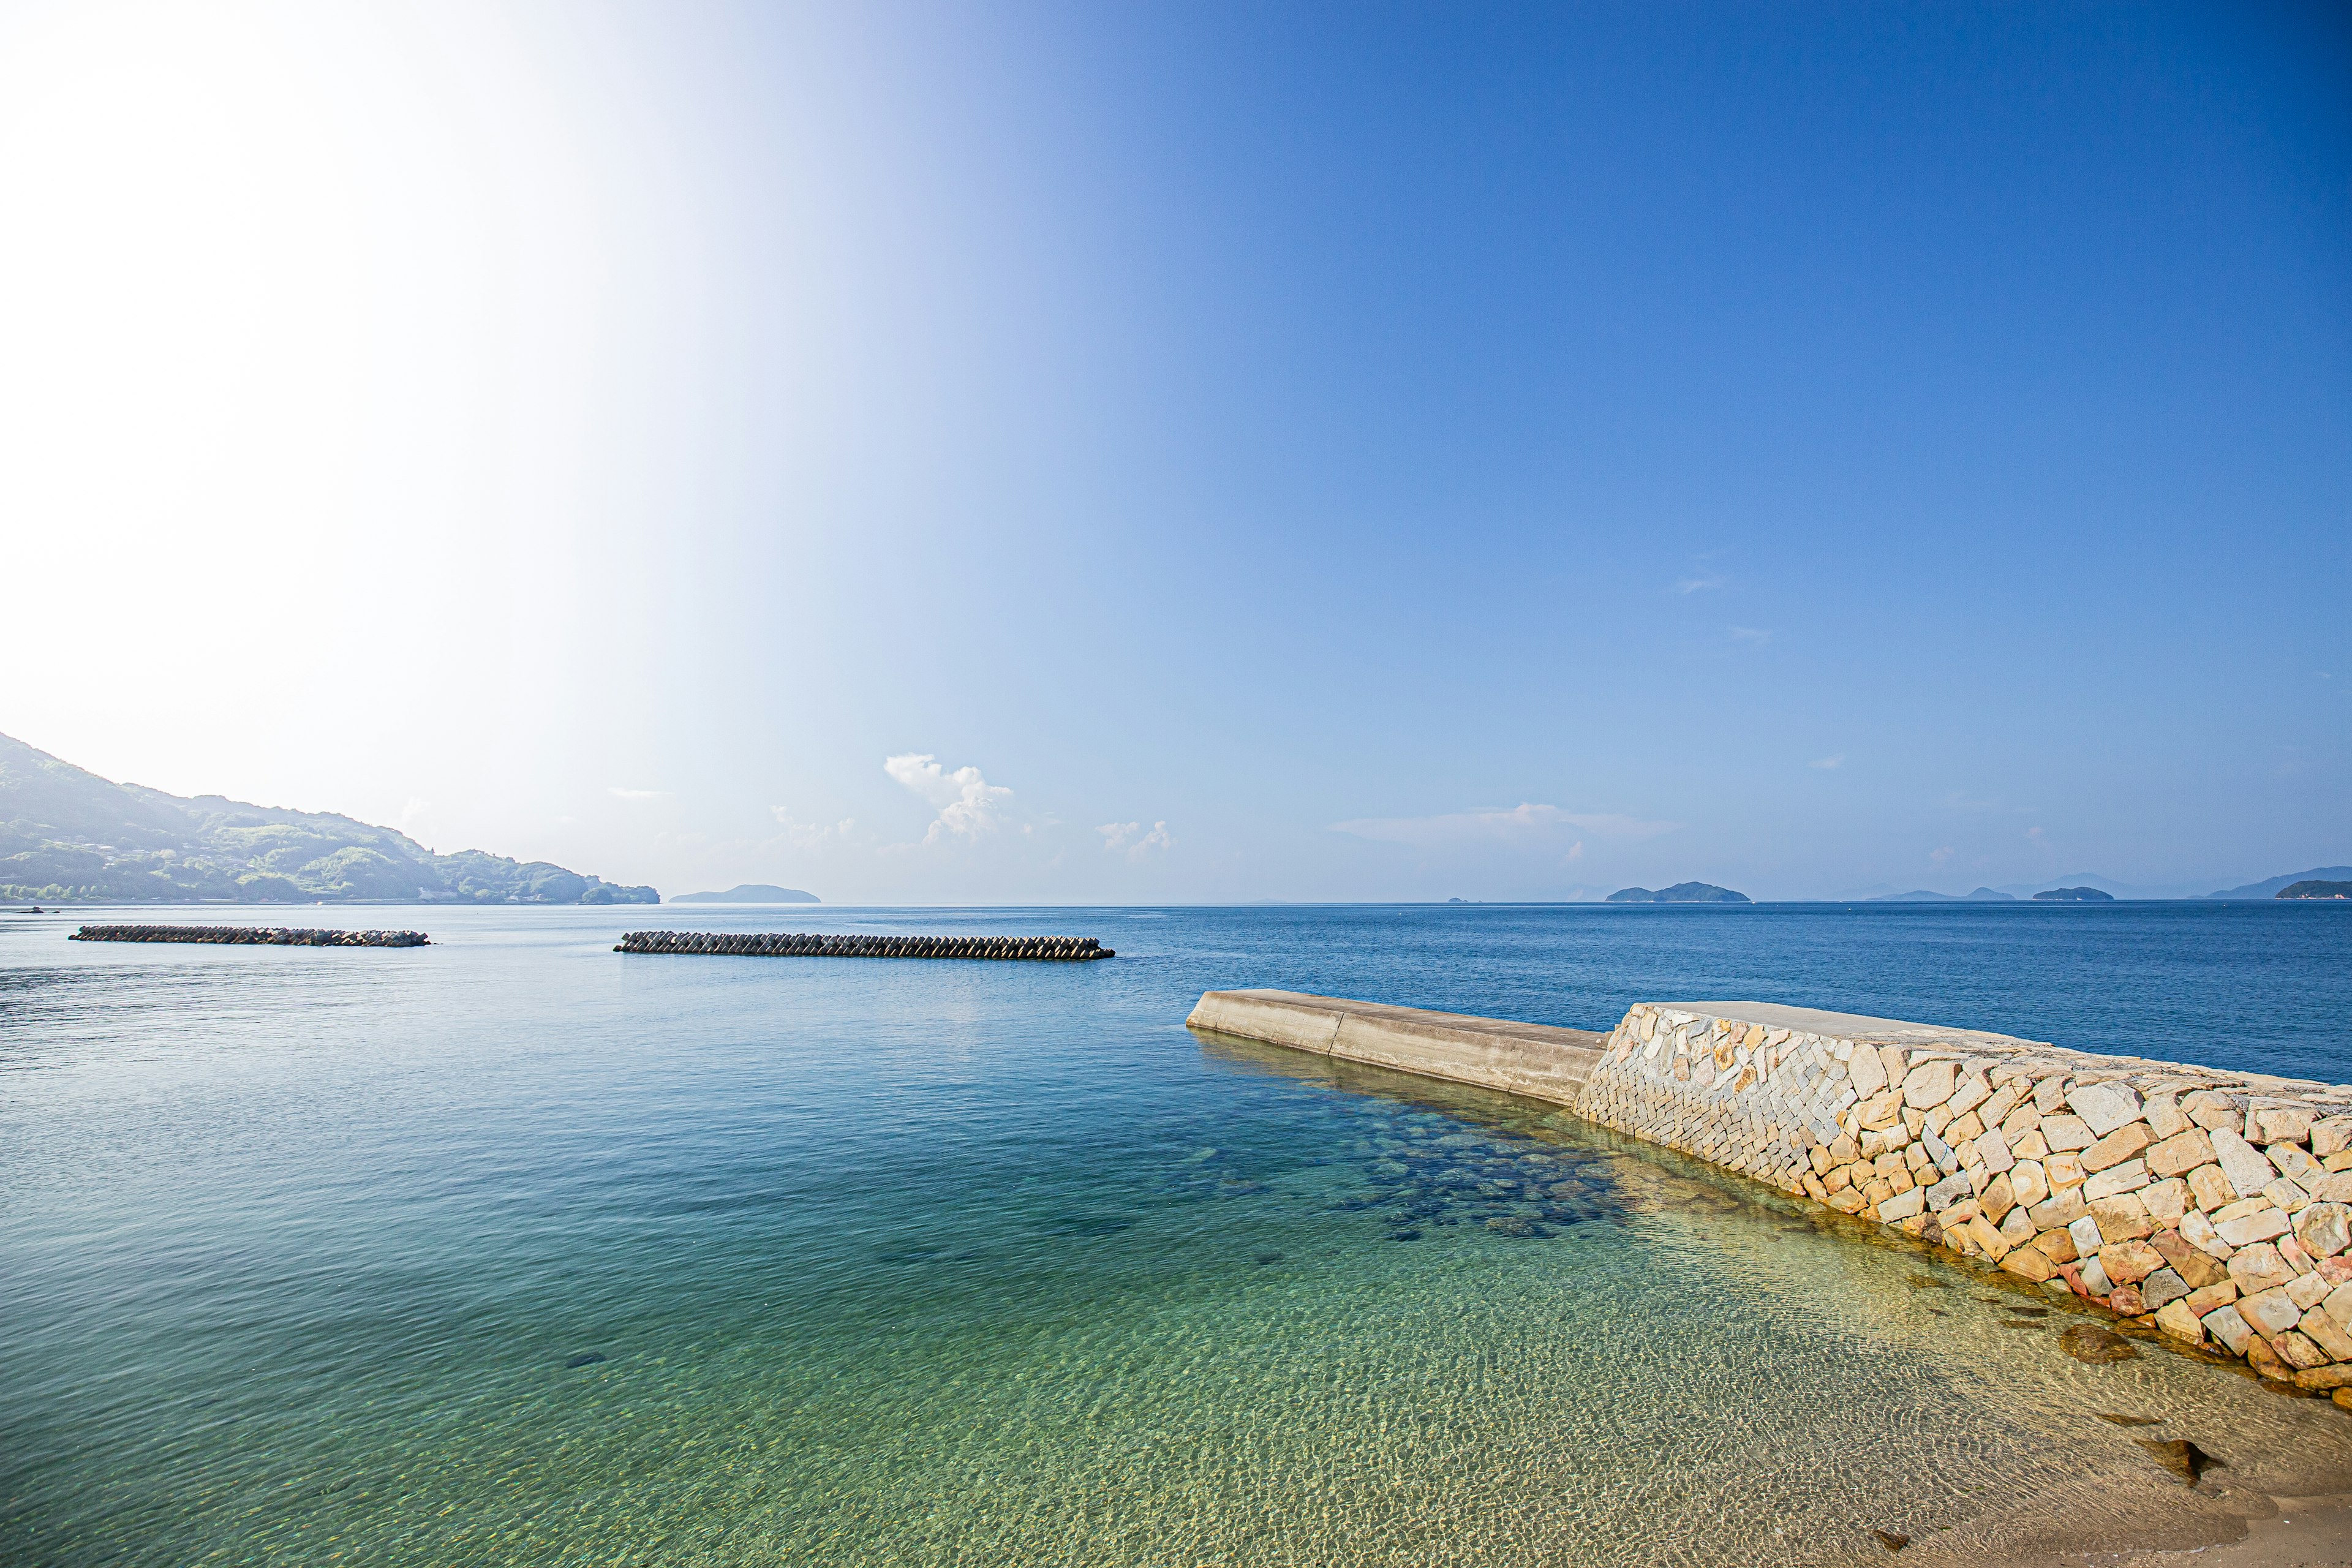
column 2214, row 1206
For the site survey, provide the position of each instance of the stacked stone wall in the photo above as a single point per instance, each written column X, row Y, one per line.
column 2211, row 1207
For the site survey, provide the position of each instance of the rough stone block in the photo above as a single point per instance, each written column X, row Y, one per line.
column 2163, row 1285
column 2295, row 1163
column 2125, row 1302
column 2094, row 1277
column 2129, row 1177
column 2284, row 1195
column 2123, row 1144
column 2050, row 1093
column 2331, row 1136
column 2248, row 1170
column 1986, row 1234
column 1996, row 1110
column 2211, row 1111
column 2062, row 1210
column 2339, row 1304
column 2209, row 1187
column 2105, row 1106
column 2018, row 1227
column 2205, row 1299
column 2086, row 1235
column 1869, row 1074
column 2067, row 1134
column 2178, row 1320
column 2247, row 1230
column 2180, row 1153
column 2225, row 1325
column 2279, row 1124
column 2128, row 1262
column 1903, row 1206
column 2193, row 1265
column 1929, row 1084
column 2307, row 1291
column 2122, row 1218
column 1948, row 1191
column 2029, row 1263
column 2026, row 1179
column 2163, row 1114
column 1997, row 1197
column 2335, row 1187
column 2058, row 1245
column 2298, row 1351
column 1993, row 1150
column 2167, row 1201
column 1963, row 1131
column 2259, row 1267
column 2270, row 1312
column 2030, row 1144
column 1971, row 1092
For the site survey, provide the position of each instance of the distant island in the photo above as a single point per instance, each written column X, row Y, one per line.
column 1680, row 893
column 2316, row 889
column 68, row 836
column 751, row 893
column 1921, row 895
column 2072, row 896
column 2271, row 887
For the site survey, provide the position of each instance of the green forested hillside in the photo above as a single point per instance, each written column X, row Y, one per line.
column 67, row 834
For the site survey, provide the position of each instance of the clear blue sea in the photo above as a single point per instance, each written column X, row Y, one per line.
column 514, row 1250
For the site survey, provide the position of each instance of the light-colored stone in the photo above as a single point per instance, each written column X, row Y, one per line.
column 2125, row 1302
column 1997, row 1197
column 2331, row 1136
column 2248, row 1170
column 2058, row 1245
column 2210, row 1111
column 2197, row 1226
column 2064, row 1133
column 2259, row 1267
column 2284, row 1193
column 1869, row 1075
column 2030, row 1145
column 1903, row 1206
column 2018, row 1226
column 2176, row 1319
column 2121, row 1218
column 2065, row 1208
column 2123, row 1144
column 2339, row 1304
column 2327, row 1334
column 2064, row 1170
column 2206, row 1297
column 2225, row 1325
column 2209, row 1187
column 2269, row 1311
column 2298, row 1351
column 1993, row 1150
column 2084, row 1233
column 2164, row 1115
column 2295, row 1163
column 2029, row 1263
column 2279, row 1124
column 2129, row 1177
column 2240, row 1208
column 1929, row 1084
column 2247, row 1230
column 2307, row 1291
column 2168, row 1201
column 1972, row 1091
column 2049, row 1092
column 2335, row 1187
column 1948, row 1191
column 1882, row 1111
column 2105, row 1106
column 1964, row 1130
column 2128, row 1262
column 2182, row 1154
column 1987, row 1236
column 2026, row 1179
column 2162, row 1286
column 2195, row 1267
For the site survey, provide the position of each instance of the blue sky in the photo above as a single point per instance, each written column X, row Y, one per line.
column 978, row 453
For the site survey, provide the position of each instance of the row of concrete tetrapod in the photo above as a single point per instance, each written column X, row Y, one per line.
column 796, row 944
column 267, row 936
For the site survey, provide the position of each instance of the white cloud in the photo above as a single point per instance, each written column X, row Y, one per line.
column 1939, row 856
column 638, row 794
column 1130, row 837
column 1838, row 760
column 968, row 805
column 1699, row 584
column 812, row 834
column 1575, row 852
column 1527, row 820
column 1755, row 635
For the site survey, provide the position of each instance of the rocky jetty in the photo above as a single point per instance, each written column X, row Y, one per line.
column 794, row 944
column 2216, row 1207
column 266, row 936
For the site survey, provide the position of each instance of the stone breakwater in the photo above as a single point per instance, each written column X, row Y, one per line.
column 2215, row 1207
column 792, row 944
column 268, row 936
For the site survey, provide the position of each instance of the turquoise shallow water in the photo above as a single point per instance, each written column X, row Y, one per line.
column 908, row 1262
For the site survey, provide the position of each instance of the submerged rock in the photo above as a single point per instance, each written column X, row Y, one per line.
column 2089, row 1343
column 2182, row 1456
column 585, row 1358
